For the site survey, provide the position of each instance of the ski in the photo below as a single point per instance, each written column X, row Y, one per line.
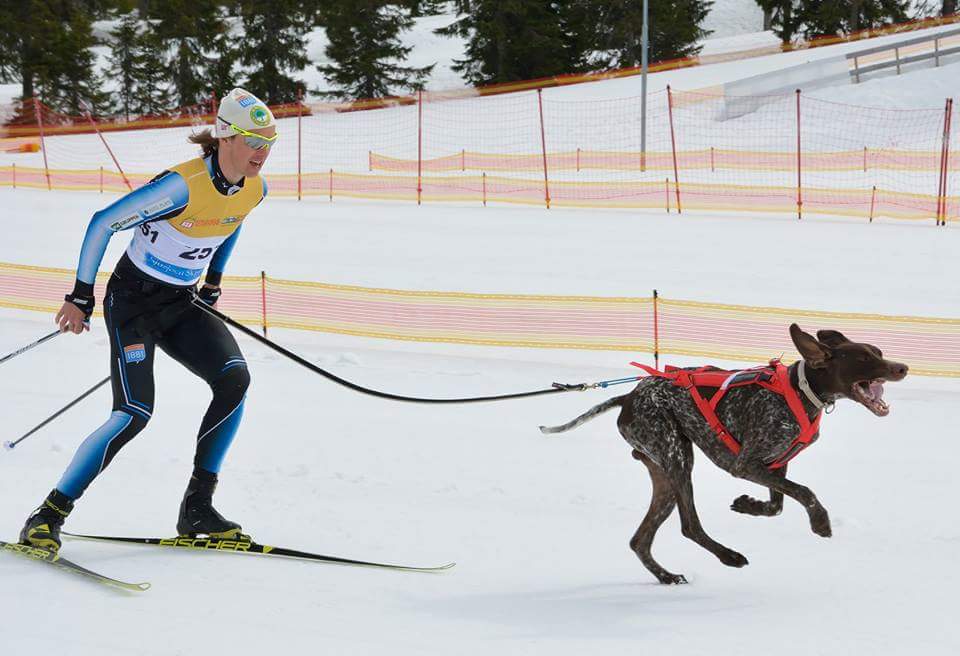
column 242, row 546
column 58, row 561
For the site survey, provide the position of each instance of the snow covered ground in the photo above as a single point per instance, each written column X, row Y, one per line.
column 539, row 526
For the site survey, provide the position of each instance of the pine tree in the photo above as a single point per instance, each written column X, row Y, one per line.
column 225, row 59
column 365, row 50
column 137, row 65
column 514, row 40
column 67, row 81
column 45, row 45
column 124, row 62
column 812, row 18
column 674, row 29
column 189, row 31
column 154, row 95
column 784, row 17
column 822, row 17
column 274, row 44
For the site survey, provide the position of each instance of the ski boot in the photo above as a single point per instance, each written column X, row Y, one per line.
column 197, row 514
column 42, row 528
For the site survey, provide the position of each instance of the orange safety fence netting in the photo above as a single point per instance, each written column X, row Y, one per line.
column 708, row 150
column 931, row 346
column 863, row 203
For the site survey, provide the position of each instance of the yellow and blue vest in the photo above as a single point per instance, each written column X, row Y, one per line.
column 187, row 218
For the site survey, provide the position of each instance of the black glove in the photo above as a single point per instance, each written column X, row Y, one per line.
column 209, row 295
column 83, row 301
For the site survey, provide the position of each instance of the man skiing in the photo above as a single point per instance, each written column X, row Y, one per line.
column 184, row 219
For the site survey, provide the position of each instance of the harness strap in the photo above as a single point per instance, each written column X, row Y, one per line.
column 775, row 378
column 808, row 429
column 684, row 379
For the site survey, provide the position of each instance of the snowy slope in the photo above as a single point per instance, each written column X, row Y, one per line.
column 539, row 526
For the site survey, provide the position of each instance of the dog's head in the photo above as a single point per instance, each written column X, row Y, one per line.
column 845, row 369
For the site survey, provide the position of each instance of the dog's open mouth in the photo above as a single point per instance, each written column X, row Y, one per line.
column 870, row 394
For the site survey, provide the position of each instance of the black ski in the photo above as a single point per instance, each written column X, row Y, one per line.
column 58, row 561
column 241, row 546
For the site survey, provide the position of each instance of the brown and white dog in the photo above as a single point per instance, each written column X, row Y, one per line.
column 661, row 421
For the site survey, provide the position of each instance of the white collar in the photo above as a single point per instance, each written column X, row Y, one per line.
column 805, row 387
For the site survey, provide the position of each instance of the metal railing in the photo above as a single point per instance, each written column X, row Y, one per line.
column 925, row 47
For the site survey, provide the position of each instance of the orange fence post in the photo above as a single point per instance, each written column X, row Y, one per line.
column 543, row 144
column 946, row 158
column 110, row 152
column 656, row 332
column 799, row 167
column 419, row 145
column 43, row 144
column 263, row 301
column 873, row 201
column 299, row 143
column 673, row 144
column 944, row 163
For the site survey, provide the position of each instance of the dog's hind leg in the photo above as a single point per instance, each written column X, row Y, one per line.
column 689, row 521
column 662, row 503
column 749, row 506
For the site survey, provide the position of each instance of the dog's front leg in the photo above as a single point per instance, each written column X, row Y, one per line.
column 754, row 470
column 749, row 506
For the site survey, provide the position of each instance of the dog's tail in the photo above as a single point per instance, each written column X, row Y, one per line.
column 585, row 417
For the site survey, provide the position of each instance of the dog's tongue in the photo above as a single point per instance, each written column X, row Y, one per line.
column 876, row 390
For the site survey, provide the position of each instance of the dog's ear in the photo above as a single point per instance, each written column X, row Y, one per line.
column 815, row 353
column 832, row 337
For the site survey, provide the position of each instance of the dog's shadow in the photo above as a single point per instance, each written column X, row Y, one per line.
column 611, row 609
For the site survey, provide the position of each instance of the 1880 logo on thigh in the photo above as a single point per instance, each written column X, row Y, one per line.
column 134, row 353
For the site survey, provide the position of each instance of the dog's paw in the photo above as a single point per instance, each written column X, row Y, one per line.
column 820, row 523
column 672, row 579
column 749, row 506
column 731, row 558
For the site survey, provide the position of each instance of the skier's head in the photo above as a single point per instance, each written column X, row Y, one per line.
column 245, row 131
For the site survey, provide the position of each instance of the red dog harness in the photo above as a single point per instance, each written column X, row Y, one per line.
column 775, row 378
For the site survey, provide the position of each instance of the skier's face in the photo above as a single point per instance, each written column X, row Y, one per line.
column 247, row 154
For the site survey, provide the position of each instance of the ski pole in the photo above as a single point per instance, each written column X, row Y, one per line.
column 9, row 446
column 557, row 387
column 26, row 348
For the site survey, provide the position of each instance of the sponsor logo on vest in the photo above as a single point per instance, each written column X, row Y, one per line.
column 200, row 223
column 232, row 219
column 134, row 353
column 158, row 207
column 245, row 100
column 124, row 222
column 171, row 270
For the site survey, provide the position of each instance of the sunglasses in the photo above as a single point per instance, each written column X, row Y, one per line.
column 254, row 140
